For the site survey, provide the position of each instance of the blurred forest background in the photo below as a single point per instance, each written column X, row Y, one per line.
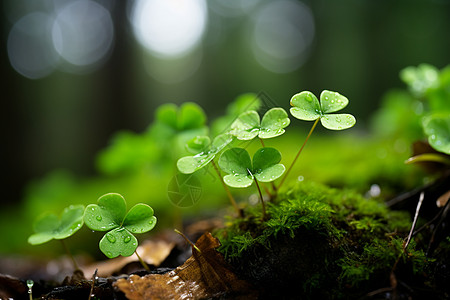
column 77, row 71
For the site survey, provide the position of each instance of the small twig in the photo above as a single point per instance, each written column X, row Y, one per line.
column 94, row 279
column 416, row 216
column 393, row 279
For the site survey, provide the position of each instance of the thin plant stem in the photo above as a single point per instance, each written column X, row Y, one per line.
column 75, row 265
column 143, row 263
column 298, row 154
column 188, row 240
column 274, row 188
column 233, row 202
column 94, row 279
column 262, row 142
column 264, row 216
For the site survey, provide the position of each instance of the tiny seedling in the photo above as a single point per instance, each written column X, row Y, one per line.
column 48, row 227
column 110, row 214
column 248, row 125
column 243, row 171
column 205, row 151
column 307, row 107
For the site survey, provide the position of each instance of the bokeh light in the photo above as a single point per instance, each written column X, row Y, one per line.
column 30, row 50
column 74, row 36
column 83, row 41
column 282, row 35
column 169, row 28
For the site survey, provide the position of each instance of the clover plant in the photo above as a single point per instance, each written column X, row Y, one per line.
column 243, row 171
column 248, row 125
column 307, row 107
column 110, row 214
column 49, row 226
column 205, row 151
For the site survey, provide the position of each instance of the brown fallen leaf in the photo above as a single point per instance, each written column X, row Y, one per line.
column 152, row 252
column 204, row 275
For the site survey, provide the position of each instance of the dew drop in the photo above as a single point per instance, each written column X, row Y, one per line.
column 127, row 239
column 111, row 238
column 309, row 98
column 99, row 218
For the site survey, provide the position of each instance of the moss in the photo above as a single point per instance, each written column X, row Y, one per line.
column 335, row 242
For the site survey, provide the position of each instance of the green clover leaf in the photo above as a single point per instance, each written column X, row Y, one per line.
column 206, row 151
column 49, row 226
column 248, row 125
column 307, row 107
column 241, row 170
column 437, row 128
column 109, row 214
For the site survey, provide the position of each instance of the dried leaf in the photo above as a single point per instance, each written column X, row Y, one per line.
column 152, row 252
column 203, row 275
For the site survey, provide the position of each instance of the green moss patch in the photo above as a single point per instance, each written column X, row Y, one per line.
column 321, row 241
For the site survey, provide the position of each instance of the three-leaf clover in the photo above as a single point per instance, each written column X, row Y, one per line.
column 307, row 107
column 205, row 152
column 242, row 170
column 110, row 214
column 248, row 125
column 49, row 226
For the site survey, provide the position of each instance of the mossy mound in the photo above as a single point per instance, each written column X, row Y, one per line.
column 328, row 243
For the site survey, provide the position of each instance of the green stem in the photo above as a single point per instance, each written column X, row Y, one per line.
column 188, row 240
column 264, row 216
column 233, row 202
column 274, row 188
column 262, row 142
column 75, row 265
column 298, row 154
column 143, row 263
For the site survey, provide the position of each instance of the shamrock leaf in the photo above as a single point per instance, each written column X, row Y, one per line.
column 110, row 215
column 248, row 125
column 49, row 226
column 241, row 170
column 307, row 107
column 437, row 128
column 206, row 151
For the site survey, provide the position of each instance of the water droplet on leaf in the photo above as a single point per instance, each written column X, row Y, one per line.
column 99, row 218
column 111, row 238
column 127, row 239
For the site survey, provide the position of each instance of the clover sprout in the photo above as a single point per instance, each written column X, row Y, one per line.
column 205, row 151
column 110, row 214
column 48, row 227
column 307, row 107
column 243, row 171
column 248, row 125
